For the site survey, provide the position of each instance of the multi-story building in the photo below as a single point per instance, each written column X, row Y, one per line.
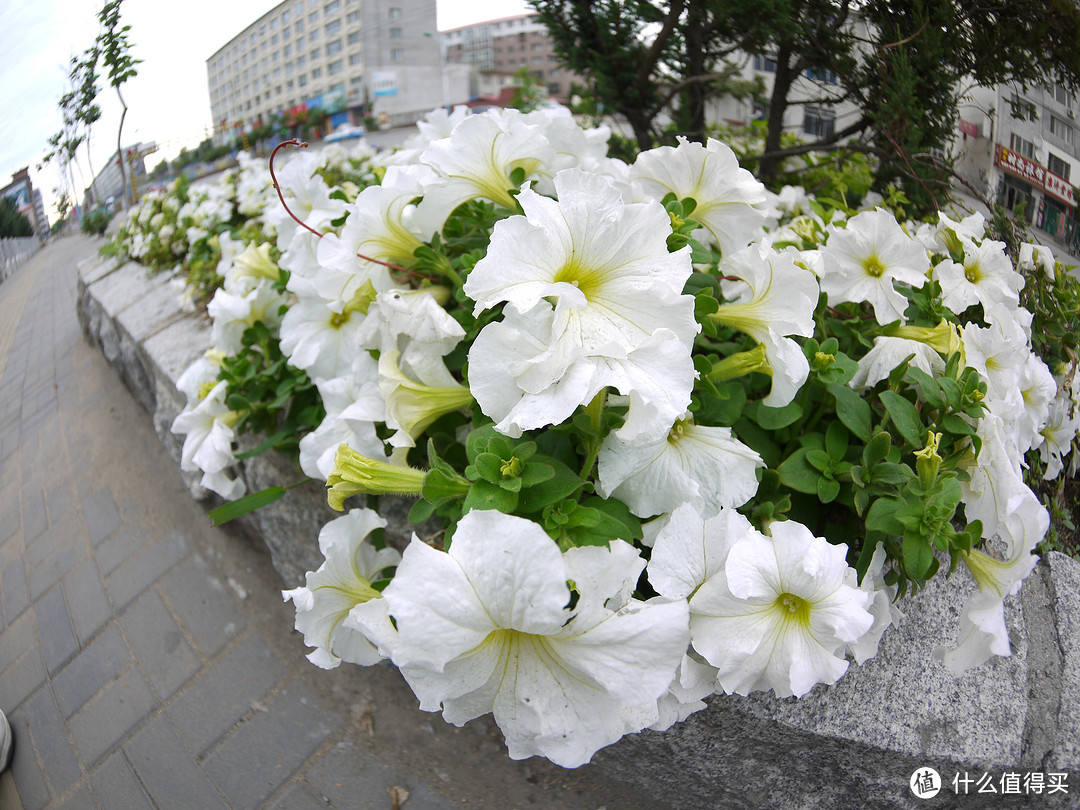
column 1020, row 148
column 107, row 188
column 499, row 48
column 27, row 201
column 348, row 57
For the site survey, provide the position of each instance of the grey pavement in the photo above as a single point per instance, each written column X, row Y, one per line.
column 148, row 660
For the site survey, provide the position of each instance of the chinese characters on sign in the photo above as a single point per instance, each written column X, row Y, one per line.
column 1035, row 174
column 1019, row 165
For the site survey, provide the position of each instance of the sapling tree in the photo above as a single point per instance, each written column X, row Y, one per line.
column 115, row 51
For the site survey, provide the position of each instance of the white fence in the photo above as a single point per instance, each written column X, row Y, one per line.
column 15, row 251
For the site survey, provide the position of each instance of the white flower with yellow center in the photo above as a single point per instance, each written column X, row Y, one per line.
column 307, row 195
column 234, row 314
column 342, row 584
column 353, row 406
column 487, row 627
column 863, row 259
column 780, row 613
column 726, row 195
column 1058, row 434
column 986, row 277
column 998, row 352
column 889, row 352
column 704, row 466
column 477, row 160
column 594, row 299
column 208, row 429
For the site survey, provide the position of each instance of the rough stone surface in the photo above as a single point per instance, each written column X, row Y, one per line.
column 852, row 744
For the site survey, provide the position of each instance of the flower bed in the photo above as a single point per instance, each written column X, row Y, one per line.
column 656, row 398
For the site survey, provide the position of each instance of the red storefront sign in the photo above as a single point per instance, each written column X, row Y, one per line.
column 1020, row 166
column 968, row 128
column 1060, row 188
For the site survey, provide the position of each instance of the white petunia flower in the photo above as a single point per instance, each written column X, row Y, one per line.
column 1036, row 257
column 308, row 198
column 207, row 427
column 780, row 613
column 353, row 406
column 726, row 195
column 882, row 607
column 704, row 466
column 863, row 260
column 486, row 627
column 888, row 353
column 342, row 583
column 1058, row 434
column 594, row 300
column 984, row 277
column 234, row 314
column 998, row 352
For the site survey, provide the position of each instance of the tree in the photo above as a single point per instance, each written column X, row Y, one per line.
column 114, row 49
column 13, row 223
column 900, row 62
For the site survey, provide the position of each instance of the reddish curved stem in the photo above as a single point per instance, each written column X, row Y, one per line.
column 306, row 227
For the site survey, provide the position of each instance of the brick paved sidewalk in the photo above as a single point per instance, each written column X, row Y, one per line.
column 147, row 660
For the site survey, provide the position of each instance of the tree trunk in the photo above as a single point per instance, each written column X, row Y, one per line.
column 694, row 96
column 120, row 150
column 778, row 102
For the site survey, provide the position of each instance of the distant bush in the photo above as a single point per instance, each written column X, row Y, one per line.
column 96, row 222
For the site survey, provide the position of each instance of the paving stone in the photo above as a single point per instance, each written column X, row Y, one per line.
column 91, row 608
column 51, row 740
column 34, row 517
column 123, row 545
column 66, row 532
column 82, row 799
column 118, row 709
column 265, row 751
column 21, row 679
column 222, row 695
column 300, row 797
column 146, row 568
column 59, row 500
column 349, row 779
column 102, row 519
column 33, row 789
column 159, row 644
column 54, row 568
column 207, row 609
column 91, row 670
column 168, row 770
column 58, row 642
column 116, row 786
column 16, row 639
column 14, row 594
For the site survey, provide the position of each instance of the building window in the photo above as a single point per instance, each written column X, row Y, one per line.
column 354, row 59
column 285, row 16
column 299, row 43
column 1022, row 146
column 316, row 73
column 333, row 7
column 315, row 54
column 275, row 56
column 336, row 88
column 299, row 26
column 313, row 16
column 335, row 67
column 1058, row 166
column 352, row 17
column 313, row 35
column 397, row 55
column 1023, row 109
column 301, row 61
column 288, row 67
column 766, row 63
column 395, row 13
column 302, row 81
column 395, row 33
column 1061, row 94
column 333, row 27
column 823, row 75
column 819, row 121
column 1060, row 129
column 333, row 47
column 354, row 37
column 288, row 51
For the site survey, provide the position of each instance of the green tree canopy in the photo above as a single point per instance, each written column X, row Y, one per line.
column 12, row 223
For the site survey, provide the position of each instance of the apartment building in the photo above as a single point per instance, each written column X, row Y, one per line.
column 1020, row 148
column 27, row 200
column 347, row 57
column 499, row 48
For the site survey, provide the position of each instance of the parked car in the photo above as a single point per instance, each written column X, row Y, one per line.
column 345, row 132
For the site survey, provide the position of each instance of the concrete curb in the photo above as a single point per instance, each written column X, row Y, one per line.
column 855, row 744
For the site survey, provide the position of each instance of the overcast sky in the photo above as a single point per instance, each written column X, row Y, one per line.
column 168, row 101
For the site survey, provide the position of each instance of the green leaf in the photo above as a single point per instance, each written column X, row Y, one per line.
column 536, row 472
column 852, row 410
column 797, row 474
column 776, row 418
column 929, row 388
column 881, row 516
column 836, row 441
column 421, row 511
column 819, row 460
column 918, row 554
column 827, row 490
column 249, row 503
column 955, row 424
column 266, row 445
column 876, row 448
column 905, row 417
column 485, row 495
column 563, row 484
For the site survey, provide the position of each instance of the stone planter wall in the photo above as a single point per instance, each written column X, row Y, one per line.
column 853, row 745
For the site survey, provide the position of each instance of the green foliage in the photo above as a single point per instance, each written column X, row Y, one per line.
column 96, row 222
column 13, row 223
column 529, row 92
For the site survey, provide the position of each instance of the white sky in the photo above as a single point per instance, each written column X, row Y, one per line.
column 168, row 101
